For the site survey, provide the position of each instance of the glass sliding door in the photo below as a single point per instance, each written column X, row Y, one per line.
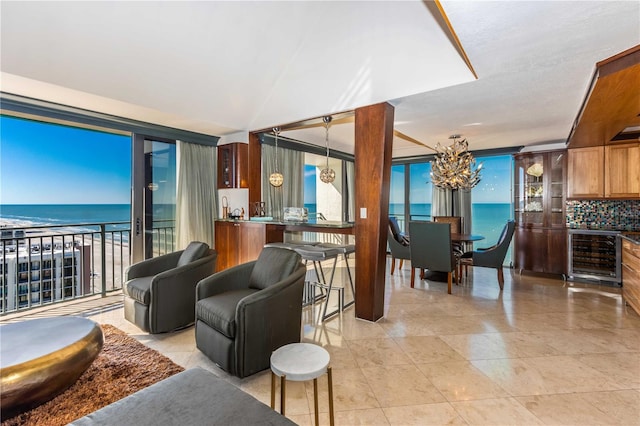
column 154, row 197
column 420, row 191
column 397, row 195
column 492, row 200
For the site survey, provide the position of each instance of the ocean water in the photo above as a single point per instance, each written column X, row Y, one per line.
column 64, row 214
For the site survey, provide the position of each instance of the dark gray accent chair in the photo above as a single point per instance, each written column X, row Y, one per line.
column 246, row 312
column 159, row 293
column 398, row 244
column 431, row 249
column 492, row 257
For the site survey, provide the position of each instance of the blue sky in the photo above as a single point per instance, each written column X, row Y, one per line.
column 43, row 163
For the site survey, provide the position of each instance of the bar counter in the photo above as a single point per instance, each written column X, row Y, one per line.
column 239, row 241
column 334, row 227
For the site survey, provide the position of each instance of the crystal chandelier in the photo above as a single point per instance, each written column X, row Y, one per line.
column 453, row 167
column 327, row 175
column 276, row 179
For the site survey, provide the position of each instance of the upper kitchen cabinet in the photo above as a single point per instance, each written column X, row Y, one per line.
column 585, row 177
column 610, row 171
column 233, row 165
column 622, row 171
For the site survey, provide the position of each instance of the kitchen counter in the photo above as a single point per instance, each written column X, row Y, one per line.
column 240, row 241
column 633, row 237
column 308, row 226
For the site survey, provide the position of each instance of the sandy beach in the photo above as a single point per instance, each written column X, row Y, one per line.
column 37, row 240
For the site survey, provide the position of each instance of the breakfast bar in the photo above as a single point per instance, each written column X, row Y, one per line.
column 240, row 241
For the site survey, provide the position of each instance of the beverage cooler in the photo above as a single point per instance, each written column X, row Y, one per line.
column 595, row 255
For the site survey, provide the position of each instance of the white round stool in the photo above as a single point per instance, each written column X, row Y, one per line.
column 300, row 362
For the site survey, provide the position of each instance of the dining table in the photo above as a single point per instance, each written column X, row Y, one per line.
column 455, row 238
column 466, row 238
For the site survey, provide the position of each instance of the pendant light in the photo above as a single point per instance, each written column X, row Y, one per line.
column 276, row 179
column 327, row 175
column 454, row 166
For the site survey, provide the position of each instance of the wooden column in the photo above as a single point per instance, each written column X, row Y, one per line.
column 255, row 168
column 373, row 144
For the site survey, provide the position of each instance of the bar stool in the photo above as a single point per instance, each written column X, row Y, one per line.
column 346, row 250
column 300, row 362
column 317, row 255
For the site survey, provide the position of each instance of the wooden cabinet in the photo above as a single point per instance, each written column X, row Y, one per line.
column 541, row 250
column 585, row 172
column 610, row 171
column 240, row 242
column 622, row 171
column 539, row 202
column 233, row 165
column 631, row 274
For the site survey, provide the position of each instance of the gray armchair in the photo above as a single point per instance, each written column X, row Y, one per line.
column 492, row 257
column 246, row 312
column 159, row 293
column 398, row 244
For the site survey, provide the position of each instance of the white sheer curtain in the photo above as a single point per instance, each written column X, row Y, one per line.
column 440, row 202
column 196, row 194
column 291, row 193
column 351, row 190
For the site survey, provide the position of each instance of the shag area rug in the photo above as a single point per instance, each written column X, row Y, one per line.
column 122, row 367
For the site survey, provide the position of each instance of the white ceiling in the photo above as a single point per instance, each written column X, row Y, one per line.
column 225, row 68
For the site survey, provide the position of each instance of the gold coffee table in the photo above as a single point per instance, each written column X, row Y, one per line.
column 41, row 358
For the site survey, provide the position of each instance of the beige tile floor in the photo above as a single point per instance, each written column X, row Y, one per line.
column 543, row 351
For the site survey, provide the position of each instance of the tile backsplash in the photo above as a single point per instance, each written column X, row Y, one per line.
column 623, row 215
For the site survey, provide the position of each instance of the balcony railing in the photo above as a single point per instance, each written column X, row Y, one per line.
column 41, row 265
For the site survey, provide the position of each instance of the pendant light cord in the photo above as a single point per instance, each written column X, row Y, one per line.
column 276, row 130
column 327, row 121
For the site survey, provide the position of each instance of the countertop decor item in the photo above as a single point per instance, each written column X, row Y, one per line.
column 276, row 179
column 327, row 175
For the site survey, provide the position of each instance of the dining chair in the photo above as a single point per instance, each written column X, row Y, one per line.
column 492, row 257
column 431, row 249
column 455, row 221
column 456, row 228
column 398, row 244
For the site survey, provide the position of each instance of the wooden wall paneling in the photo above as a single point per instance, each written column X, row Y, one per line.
column 226, row 244
column 252, row 238
column 612, row 103
column 373, row 145
column 255, row 168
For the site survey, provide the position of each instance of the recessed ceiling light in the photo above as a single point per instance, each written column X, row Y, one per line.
column 472, row 124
